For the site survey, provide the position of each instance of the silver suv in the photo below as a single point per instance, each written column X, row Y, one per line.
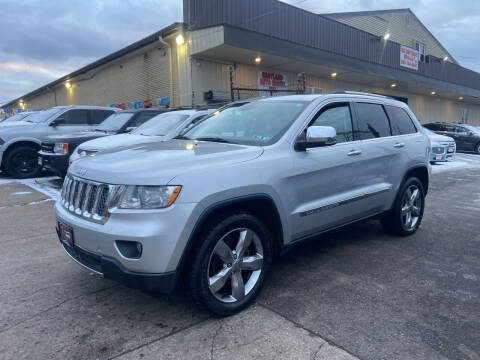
column 215, row 205
column 20, row 141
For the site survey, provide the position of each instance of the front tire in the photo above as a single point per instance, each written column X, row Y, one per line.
column 230, row 263
column 477, row 149
column 407, row 212
column 22, row 162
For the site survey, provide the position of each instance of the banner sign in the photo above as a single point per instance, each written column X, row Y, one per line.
column 272, row 80
column 408, row 57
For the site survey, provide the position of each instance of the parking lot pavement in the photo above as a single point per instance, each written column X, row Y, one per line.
column 356, row 293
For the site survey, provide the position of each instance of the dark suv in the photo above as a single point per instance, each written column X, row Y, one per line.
column 56, row 150
column 466, row 137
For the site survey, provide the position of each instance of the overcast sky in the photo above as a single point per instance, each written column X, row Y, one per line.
column 41, row 40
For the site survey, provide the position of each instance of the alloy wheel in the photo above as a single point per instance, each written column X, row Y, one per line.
column 235, row 265
column 24, row 163
column 411, row 207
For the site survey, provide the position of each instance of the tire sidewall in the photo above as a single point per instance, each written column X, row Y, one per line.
column 200, row 266
column 11, row 154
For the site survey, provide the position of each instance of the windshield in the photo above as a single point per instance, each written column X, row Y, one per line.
column 43, row 116
column 251, row 123
column 16, row 117
column 473, row 128
column 114, row 122
column 161, row 124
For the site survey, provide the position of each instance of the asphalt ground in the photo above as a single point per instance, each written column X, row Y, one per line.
column 358, row 293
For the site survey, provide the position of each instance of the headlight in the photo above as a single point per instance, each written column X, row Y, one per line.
column 61, row 148
column 148, row 197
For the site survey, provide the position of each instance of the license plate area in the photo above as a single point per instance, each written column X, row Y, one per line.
column 439, row 157
column 40, row 161
column 65, row 233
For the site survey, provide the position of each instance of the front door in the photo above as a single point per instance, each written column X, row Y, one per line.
column 71, row 121
column 334, row 184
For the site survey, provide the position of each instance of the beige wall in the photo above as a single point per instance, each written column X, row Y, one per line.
column 212, row 75
column 135, row 77
column 403, row 28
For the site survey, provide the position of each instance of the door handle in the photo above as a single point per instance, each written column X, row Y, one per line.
column 354, row 152
column 399, row 145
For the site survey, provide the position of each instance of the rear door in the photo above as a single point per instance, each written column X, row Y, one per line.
column 380, row 155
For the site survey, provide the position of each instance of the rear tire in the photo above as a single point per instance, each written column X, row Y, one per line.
column 406, row 214
column 22, row 162
column 230, row 263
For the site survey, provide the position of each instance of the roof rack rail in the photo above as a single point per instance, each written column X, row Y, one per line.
column 360, row 93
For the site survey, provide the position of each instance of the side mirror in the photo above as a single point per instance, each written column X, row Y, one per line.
column 57, row 121
column 130, row 129
column 317, row 136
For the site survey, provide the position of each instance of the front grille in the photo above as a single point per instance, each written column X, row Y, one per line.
column 86, row 198
column 47, row 147
column 437, row 150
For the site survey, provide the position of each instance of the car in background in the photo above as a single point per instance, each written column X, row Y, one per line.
column 56, row 149
column 17, row 117
column 160, row 128
column 21, row 140
column 442, row 147
column 467, row 137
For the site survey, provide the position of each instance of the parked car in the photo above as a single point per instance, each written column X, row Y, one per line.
column 467, row 137
column 251, row 180
column 55, row 150
column 160, row 128
column 20, row 141
column 442, row 147
column 17, row 117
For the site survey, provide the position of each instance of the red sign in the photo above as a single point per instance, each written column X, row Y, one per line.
column 271, row 80
column 408, row 57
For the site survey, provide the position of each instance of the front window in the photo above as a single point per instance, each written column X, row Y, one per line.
column 161, row 124
column 250, row 123
column 43, row 116
column 114, row 122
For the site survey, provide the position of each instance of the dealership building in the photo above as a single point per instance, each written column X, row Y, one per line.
column 228, row 49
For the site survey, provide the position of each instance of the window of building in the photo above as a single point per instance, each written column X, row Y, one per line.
column 400, row 121
column 372, row 122
column 337, row 116
column 421, row 50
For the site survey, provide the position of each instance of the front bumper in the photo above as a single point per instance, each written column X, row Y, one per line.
column 162, row 233
column 112, row 269
column 58, row 164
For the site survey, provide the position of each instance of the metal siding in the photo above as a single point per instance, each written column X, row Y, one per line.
column 284, row 21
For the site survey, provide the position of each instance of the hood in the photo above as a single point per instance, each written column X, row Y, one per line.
column 116, row 141
column 157, row 163
column 80, row 135
column 440, row 138
column 19, row 123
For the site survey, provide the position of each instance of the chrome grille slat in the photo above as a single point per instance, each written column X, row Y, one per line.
column 87, row 199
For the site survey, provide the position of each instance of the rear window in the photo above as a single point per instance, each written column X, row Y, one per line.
column 372, row 122
column 400, row 121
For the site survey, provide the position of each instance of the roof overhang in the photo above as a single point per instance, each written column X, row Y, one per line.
column 131, row 49
column 232, row 44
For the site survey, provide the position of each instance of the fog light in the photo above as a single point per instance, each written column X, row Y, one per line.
column 129, row 249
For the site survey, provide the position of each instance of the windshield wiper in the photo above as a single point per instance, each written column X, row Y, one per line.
column 182, row 137
column 214, row 139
